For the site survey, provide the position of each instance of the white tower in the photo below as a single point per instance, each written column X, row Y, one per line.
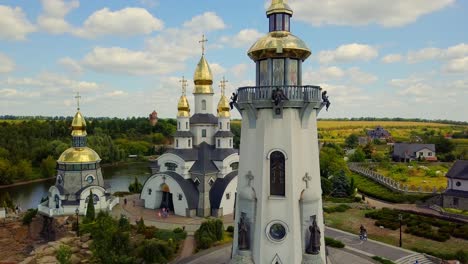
column 224, row 136
column 183, row 138
column 279, row 218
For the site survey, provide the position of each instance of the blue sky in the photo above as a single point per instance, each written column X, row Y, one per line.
column 376, row 58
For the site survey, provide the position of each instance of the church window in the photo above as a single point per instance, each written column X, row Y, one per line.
column 220, row 125
column 228, row 196
column 203, row 104
column 57, row 199
column 59, row 179
column 277, row 174
column 228, row 125
column 178, row 125
column 89, row 179
column 230, row 142
column 186, row 125
column 279, row 22
column 219, row 143
column 234, row 165
column 458, row 184
column 150, row 191
column 278, row 72
column 179, row 196
column 455, row 201
column 189, row 143
column 95, row 199
column 211, row 182
column 171, row 166
column 203, row 133
column 196, row 181
column 177, row 143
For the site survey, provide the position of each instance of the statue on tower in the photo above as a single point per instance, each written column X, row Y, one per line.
column 314, row 240
column 243, row 234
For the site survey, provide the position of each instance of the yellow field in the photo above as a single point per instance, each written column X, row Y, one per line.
column 373, row 124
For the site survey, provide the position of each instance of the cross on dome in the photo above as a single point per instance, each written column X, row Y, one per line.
column 78, row 97
column 184, row 85
column 203, row 41
column 223, row 85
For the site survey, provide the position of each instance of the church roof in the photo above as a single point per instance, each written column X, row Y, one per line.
column 221, row 154
column 187, row 186
column 203, row 119
column 183, row 134
column 456, row 193
column 204, row 163
column 459, row 170
column 218, row 188
column 185, row 154
column 224, row 134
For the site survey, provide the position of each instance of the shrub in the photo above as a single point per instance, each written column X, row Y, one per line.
column 393, row 225
column 166, row 235
column 135, row 187
column 382, row 260
column 210, row 231
column 156, row 251
column 28, row 217
column 141, row 228
column 230, row 229
column 63, row 254
column 333, row 243
column 178, row 230
column 90, row 212
column 339, row 208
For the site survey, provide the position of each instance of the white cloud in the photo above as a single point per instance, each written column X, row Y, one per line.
column 239, row 70
column 14, row 24
column 392, row 58
column 457, row 65
column 217, row 70
column 116, row 93
column 245, row 37
column 348, row 53
column 121, row 60
column 6, row 64
column 53, row 18
column 394, row 13
column 424, row 54
column 70, row 65
column 359, row 77
column 205, row 22
column 125, row 22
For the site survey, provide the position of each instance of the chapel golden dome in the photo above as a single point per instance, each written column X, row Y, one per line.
column 279, row 44
column 279, row 6
column 183, row 107
column 203, row 78
column 78, row 125
column 223, row 107
column 79, row 155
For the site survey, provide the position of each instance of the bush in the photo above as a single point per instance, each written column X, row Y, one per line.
column 393, row 225
column 339, row 208
column 382, row 260
column 209, row 233
column 135, row 187
column 28, row 217
column 333, row 243
column 63, row 254
column 166, row 235
column 178, row 230
column 230, row 229
column 156, row 251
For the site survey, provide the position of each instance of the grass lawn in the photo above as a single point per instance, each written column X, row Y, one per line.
column 351, row 220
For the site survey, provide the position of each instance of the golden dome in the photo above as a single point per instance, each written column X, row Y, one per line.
column 183, row 107
column 279, row 44
column 223, row 107
column 79, row 155
column 78, row 125
column 203, row 78
column 279, row 6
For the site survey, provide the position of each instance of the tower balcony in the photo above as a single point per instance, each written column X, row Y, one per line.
column 287, row 96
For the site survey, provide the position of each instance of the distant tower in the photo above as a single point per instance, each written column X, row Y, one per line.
column 153, row 118
column 183, row 138
column 279, row 216
column 224, row 136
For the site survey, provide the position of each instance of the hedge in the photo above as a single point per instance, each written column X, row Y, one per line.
column 382, row 260
column 333, row 243
column 339, row 208
column 209, row 232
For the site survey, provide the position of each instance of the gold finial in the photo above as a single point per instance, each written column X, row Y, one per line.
column 184, row 85
column 78, row 97
column 223, row 85
column 279, row 6
column 203, row 41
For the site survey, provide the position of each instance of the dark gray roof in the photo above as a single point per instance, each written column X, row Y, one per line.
column 185, row 134
column 399, row 149
column 204, row 164
column 60, row 188
column 218, row 188
column 221, row 154
column 459, row 170
column 185, row 154
column 187, row 186
column 203, row 119
column 456, row 193
column 224, row 134
column 67, row 202
column 82, row 189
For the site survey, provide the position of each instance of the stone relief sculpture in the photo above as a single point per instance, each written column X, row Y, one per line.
column 243, row 234
column 314, row 240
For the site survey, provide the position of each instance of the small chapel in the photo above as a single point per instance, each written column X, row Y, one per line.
column 198, row 176
column 79, row 178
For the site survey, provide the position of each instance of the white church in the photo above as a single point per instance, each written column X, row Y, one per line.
column 198, row 177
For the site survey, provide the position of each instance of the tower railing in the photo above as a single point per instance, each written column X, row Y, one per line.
column 291, row 95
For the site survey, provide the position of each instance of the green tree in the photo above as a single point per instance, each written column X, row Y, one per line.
column 48, row 167
column 352, row 141
column 135, row 187
column 357, row 156
column 331, row 163
column 90, row 212
column 341, row 185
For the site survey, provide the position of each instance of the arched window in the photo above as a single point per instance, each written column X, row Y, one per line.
column 277, row 174
column 95, row 199
column 178, row 125
column 228, row 125
column 220, row 125
column 186, row 125
column 171, row 166
column 176, row 143
column 203, row 104
column 190, row 143
column 219, row 143
column 203, row 133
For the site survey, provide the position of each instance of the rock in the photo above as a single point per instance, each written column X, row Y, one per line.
column 75, row 259
column 49, row 251
column 85, row 238
column 75, row 249
column 67, row 240
column 85, row 245
column 47, row 260
column 29, row 260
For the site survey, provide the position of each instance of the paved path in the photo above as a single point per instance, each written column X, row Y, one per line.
column 187, row 248
column 369, row 247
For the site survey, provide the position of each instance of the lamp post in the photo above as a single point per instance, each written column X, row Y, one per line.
column 77, row 212
column 400, row 217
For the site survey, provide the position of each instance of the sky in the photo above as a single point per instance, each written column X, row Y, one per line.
column 375, row 58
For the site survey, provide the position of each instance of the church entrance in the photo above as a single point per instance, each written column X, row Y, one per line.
column 166, row 201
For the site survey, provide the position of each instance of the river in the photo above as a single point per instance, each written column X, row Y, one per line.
column 119, row 177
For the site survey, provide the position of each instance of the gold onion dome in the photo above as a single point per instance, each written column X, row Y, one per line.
column 79, row 155
column 203, row 78
column 183, row 107
column 279, row 6
column 223, row 107
column 78, row 125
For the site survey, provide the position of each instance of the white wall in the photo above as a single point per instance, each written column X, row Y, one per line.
column 452, row 184
column 197, row 132
column 182, row 166
column 154, row 200
column 425, row 153
column 198, row 103
column 224, row 166
column 228, row 204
